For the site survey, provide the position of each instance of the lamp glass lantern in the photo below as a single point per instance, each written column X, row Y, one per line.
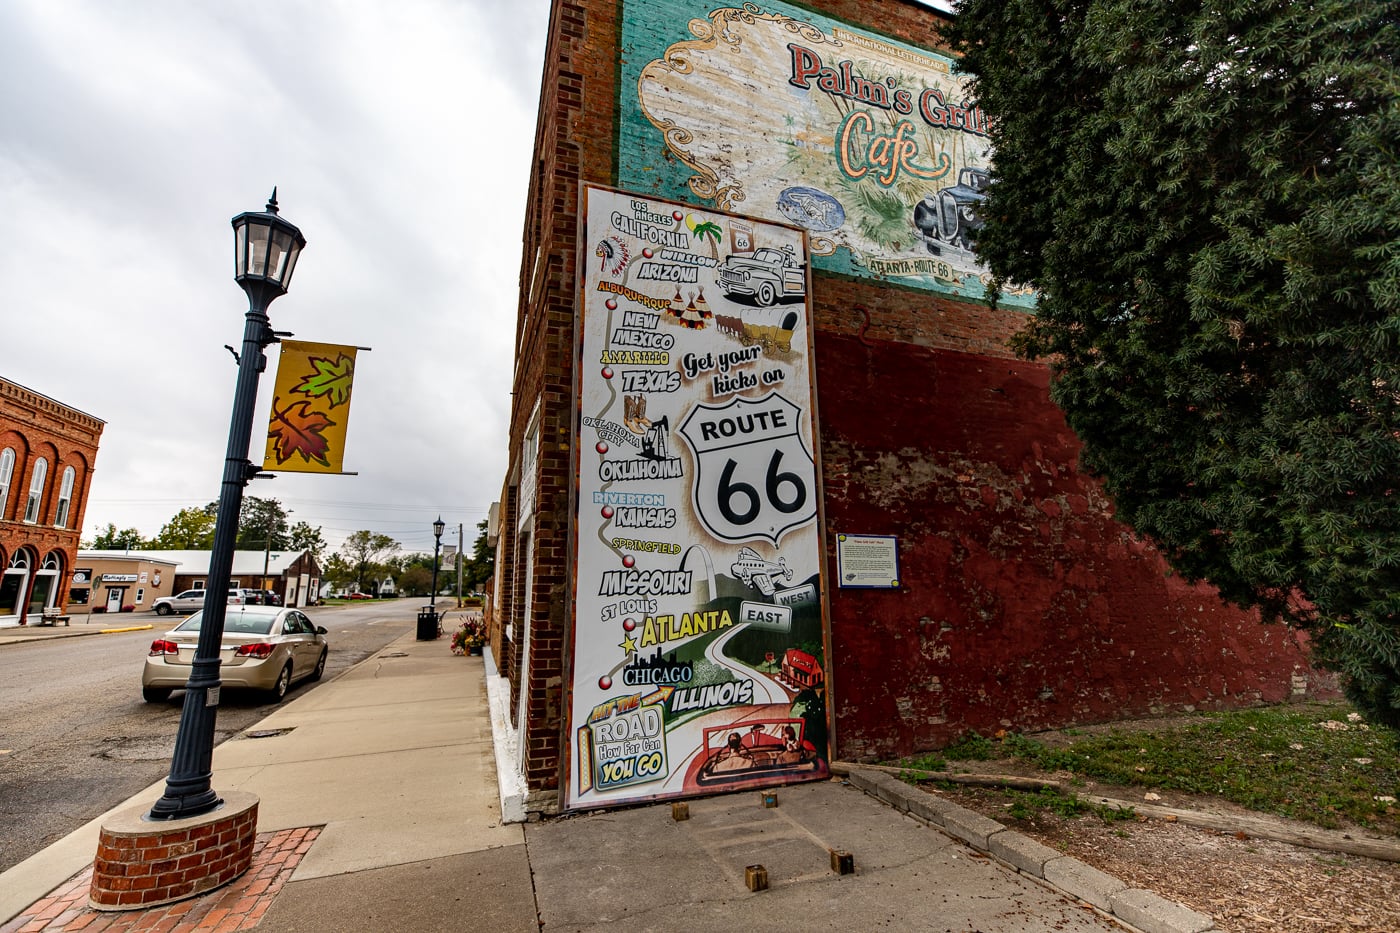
column 438, row 527
column 266, row 249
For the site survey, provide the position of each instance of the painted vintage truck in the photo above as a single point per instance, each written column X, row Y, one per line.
column 764, row 276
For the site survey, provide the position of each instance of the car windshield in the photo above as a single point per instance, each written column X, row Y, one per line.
column 240, row 620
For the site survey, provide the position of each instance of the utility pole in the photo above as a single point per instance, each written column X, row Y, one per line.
column 460, row 562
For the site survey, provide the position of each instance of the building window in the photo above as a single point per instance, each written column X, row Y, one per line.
column 36, row 490
column 45, row 590
column 13, row 585
column 140, row 595
column 65, row 498
column 7, row 469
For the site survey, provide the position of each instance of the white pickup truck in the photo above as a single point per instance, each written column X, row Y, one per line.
column 190, row 601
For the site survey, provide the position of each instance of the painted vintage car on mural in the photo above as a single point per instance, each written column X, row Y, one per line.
column 765, row 276
column 953, row 215
column 742, row 751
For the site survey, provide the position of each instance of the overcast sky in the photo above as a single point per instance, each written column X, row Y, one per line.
column 399, row 136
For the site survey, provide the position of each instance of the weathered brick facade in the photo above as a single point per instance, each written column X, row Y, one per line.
column 1023, row 605
column 39, row 543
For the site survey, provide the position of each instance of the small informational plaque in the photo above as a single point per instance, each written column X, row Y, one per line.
column 867, row 561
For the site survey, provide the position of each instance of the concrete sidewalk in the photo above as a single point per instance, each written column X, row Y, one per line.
column 380, row 811
column 84, row 625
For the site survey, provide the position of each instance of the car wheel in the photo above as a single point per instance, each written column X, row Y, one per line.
column 320, row 667
column 766, row 295
column 163, row 609
column 284, row 680
column 155, row 694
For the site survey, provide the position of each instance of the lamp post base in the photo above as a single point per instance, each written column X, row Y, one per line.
column 143, row 863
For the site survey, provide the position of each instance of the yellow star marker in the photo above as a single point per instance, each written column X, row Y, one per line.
column 629, row 644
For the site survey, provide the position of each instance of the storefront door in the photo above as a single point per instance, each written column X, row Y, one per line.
column 115, row 594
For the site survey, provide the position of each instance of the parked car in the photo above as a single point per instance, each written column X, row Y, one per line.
column 764, row 276
column 190, row 601
column 261, row 598
column 263, row 648
column 360, row 596
column 952, row 215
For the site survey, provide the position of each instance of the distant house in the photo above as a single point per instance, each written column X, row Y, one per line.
column 387, row 588
column 294, row 574
column 106, row 581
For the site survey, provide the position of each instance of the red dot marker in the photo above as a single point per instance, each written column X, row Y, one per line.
column 677, row 215
column 628, row 561
column 607, row 372
column 607, row 511
column 602, row 447
column 629, row 625
column 605, row 682
column 646, row 254
column 611, row 304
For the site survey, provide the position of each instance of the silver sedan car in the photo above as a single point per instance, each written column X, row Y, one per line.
column 264, row 648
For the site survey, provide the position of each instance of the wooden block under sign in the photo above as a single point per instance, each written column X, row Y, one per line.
column 680, row 811
column 770, row 799
column 756, row 877
column 843, row 863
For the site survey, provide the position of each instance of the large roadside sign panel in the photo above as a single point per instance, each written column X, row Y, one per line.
column 698, row 658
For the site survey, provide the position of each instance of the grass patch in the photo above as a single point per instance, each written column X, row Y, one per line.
column 1026, row 806
column 1320, row 763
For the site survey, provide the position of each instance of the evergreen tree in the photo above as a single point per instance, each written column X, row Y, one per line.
column 481, row 566
column 1207, row 195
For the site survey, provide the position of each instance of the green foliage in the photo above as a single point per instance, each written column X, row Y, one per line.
column 971, row 747
column 363, row 552
column 303, row 537
column 261, row 521
column 188, row 530
column 1320, row 763
column 482, row 565
column 1207, row 195
column 110, row 539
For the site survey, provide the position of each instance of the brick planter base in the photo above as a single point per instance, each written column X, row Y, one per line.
column 144, row 863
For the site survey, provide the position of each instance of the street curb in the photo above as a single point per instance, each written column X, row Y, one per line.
column 129, row 628
column 1143, row 910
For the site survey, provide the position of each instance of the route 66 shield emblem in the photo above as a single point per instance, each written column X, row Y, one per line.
column 754, row 476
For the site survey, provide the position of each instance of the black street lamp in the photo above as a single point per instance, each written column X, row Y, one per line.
column 438, row 527
column 266, row 248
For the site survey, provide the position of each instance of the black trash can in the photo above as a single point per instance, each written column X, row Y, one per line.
column 427, row 624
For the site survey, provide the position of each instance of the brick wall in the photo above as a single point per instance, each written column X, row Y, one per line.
column 1025, row 604
column 35, row 426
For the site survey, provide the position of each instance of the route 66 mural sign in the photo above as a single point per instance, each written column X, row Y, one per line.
column 698, row 596
column 734, row 445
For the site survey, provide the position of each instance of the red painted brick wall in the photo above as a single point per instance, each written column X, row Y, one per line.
column 1024, row 605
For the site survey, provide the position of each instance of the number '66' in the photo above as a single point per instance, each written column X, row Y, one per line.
column 731, row 491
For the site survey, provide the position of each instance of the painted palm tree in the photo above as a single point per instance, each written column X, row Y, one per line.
column 707, row 229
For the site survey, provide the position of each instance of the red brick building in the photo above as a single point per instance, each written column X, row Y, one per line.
column 47, row 452
column 1020, row 603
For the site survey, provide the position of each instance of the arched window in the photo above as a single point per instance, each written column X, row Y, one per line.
column 45, row 591
column 7, row 470
column 36, row 490
column 65, row 497
column 13, row 585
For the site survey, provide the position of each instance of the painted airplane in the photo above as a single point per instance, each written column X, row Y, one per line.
column 755, row 571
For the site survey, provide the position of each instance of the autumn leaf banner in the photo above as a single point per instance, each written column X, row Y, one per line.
column 310, row 408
